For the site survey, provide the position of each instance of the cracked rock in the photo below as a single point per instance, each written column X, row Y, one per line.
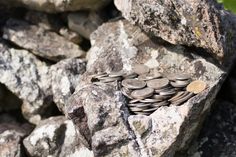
column 28, row 78
column 39, row 41
column 199, row 23
column 58, row 5
column 55, row 137
column 100, row 112
column 65, row 77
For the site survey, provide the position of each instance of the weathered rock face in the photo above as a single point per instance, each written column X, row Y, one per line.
column 55, row 137
column 84, row 23
column 52, row 46
column 28, row 78
column 57, row 6
column 100, row 113
column 65, row 77
column 194, row 23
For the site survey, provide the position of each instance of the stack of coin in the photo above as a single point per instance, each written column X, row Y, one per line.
column 147, row 89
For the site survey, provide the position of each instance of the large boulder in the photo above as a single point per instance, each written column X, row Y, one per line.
column 57, row 6
column 55, row 137
column 100, row 112
column 198, row 23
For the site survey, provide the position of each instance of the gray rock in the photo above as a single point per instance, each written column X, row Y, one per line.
column 100, row 112
column 57, row 6
column 28, row 78
column 11, row 136
column 84, row 23
column 185, row 22
column 65, row 77
column 42, row 43
column 55, row 137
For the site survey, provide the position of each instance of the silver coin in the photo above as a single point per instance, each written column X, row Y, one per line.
column 183, row 99
column 176, row 97
column 141, row 69
column 159, row 97
column 148, row 100
column 149, row 76
column 142, row 93
column 182, row 76
column 163, row 89
column 151, row 109
column 159, row 104
column 110, row 79
column 133, row 83
column 126, row 93
column 116, row 74
column 158, row 83
column 130, row 75
column 100, row 75
column 180, row 83
column 134, row 101
column 135, row 109
column 168, row 92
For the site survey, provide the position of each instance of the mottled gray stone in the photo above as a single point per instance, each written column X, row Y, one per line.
column 39, row 41
column 55, row 137
column 84, row 23
column 65, row 77
column 58, row 5
column 199, row 23
column 28, row 78
column 100, row 113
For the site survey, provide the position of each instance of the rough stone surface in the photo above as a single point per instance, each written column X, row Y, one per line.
column 11, row 136
column 58, row 5
column 65, row 77
column 84, row 23
column 28, row 78
column 100, row 113
column 217, row 137
column 42, row 43
column 55, row 137
column 199, row 23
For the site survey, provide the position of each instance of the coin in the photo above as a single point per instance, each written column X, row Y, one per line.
column 179, row 94
column 151, row 109
column 134, row 101
column 100, row 75
column 168, row 92
column 130, row 75
column 141, row 69
column 158, row 83
column 148, row 100
column 109, row 79
column 159, row 97
column 133, row 83
column 149, row 76
column 163, row 89
column 135, row 109
column 116, row 74
column 142, row 93
column 126, row 93
column 182, row 76
column 196, row 86
column 183, row 99
column 159, row 104
column 179, row 83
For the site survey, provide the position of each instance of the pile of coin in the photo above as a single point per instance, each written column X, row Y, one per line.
column 146, row 89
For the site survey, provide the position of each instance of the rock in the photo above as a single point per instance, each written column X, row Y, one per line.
column 8, row 101
column 57, row 6
column 183, row 22
column 65, row 77
column 100, row 112
column 217, row 137
column 11, row 136
column 28, row 78
column 42, row 43
column 84, row 23
column 55, row 137
column 70, row 35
